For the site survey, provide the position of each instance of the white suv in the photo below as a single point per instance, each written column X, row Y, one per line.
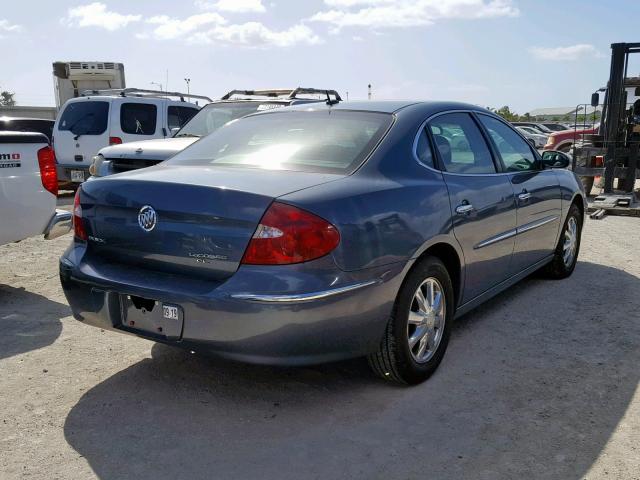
column 107, row 117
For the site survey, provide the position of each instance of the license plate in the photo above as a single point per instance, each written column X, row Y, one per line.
column 169, row 312
column 77, row 176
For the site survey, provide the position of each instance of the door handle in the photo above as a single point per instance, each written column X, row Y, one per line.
column 464, row 209
column 524, row 196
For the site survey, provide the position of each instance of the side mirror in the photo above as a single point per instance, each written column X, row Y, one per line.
column 555, row 159
column 595, row 99
column 174, row 130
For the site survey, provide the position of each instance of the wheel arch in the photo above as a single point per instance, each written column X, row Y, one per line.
column 580, row 202
column 452, row 257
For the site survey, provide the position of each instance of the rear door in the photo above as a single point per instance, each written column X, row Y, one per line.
column 81, row 130
column 136, row 118
column 537, row 193
column 482, row 201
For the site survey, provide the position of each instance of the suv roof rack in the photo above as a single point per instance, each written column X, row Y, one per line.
column 140, row 92
column 290, row 93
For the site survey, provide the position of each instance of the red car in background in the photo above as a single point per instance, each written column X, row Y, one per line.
column 563, row 141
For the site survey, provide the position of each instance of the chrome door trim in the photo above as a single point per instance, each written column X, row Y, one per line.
column 301, row 297
column 496, row 239
column 538, row 223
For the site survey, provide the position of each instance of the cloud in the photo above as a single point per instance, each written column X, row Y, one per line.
column 96, row 15
column 233, row 6
column 169, row 28
column 570, row 53
column 409, row 13
column 256, row 35
column 7, row 27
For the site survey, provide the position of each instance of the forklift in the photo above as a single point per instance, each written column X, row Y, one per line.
column 613, row 152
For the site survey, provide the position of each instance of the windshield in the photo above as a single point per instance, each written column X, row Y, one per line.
column 215, row 115
column 321, row 141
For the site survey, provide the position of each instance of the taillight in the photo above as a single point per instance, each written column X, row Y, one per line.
column 48, row 175
column 79, row 231
column 288, row 234
column 115, row 140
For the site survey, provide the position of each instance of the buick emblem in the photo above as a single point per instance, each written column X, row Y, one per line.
column 147, row 218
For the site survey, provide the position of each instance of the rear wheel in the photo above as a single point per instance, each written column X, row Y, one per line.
column 566, row 254
column 418, row 331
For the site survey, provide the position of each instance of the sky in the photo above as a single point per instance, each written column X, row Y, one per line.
column 523, row 53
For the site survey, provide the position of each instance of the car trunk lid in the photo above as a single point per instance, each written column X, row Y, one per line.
column 204, row 220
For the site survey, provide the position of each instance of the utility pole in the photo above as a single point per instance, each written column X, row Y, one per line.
column 369, row 92
column 158, row 84
column 188, row 81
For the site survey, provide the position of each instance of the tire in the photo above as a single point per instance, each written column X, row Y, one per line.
column 587, row 183
column 558, row 268
column 395, row 360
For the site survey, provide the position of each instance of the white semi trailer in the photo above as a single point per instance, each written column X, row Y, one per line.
column 70, row 79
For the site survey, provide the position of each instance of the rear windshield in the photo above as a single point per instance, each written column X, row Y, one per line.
column 85, row 118
column 28, row 125
column 215, row 115
column 329, row 141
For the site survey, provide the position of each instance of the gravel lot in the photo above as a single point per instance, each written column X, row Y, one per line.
column 541, row 382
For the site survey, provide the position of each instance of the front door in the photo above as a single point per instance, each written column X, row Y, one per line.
column 537, row 193
column 482, row 202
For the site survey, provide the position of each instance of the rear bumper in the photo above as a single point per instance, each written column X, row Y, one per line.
column 254, row 316
column 60, row 224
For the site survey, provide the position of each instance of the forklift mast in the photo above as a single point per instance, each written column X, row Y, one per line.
column 613, row 115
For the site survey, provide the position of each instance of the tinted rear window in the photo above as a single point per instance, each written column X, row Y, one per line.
column 138, row 118
column 85, row 118
column 28, row 125
column 325, row 141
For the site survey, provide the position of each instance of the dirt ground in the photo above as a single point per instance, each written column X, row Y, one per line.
column 541, row 382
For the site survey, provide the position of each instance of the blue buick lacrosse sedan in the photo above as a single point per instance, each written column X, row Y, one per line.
column 318, row 233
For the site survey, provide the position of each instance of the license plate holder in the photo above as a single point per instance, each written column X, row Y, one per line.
column 151, row 317
column 77, row 176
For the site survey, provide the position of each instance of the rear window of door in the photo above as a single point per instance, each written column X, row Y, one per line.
column 85, row 118
column 138, row 118
column 515, row 152
column 460, row 143
column 178, row 116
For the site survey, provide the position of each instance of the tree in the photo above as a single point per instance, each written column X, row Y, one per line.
column 506, row 113
column 6, row 99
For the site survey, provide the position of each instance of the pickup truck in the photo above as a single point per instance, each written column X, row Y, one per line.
column 564, row 141
column 28, row 188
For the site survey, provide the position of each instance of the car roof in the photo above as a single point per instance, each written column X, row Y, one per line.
column 391, row 106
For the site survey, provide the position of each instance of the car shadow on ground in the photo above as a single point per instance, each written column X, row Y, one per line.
column 532, row 386
column 24, row 327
